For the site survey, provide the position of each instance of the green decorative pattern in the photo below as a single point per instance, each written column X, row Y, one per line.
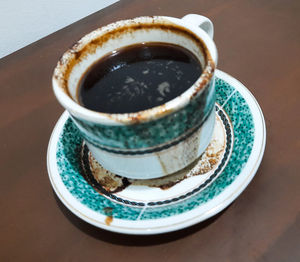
column 151, row 133
column 223, row 91
column 69, row 167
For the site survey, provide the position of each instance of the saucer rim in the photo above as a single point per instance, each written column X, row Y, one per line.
column 238, row 185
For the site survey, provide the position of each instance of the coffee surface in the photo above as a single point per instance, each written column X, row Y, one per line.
column 138, row 77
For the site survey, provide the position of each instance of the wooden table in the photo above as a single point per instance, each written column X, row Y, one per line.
column 258, row 43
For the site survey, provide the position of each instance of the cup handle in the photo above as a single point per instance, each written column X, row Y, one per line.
column 200, row 21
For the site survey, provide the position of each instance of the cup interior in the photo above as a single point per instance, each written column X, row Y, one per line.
column 78, row 59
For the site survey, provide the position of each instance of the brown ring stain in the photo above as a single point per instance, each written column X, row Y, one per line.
column 80, row 50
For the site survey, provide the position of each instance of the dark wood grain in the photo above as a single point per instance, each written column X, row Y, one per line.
column 258, row 43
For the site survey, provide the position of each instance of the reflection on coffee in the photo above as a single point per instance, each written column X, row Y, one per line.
column 138, row 77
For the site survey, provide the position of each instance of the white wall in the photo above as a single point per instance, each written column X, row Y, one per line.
column 25, row 21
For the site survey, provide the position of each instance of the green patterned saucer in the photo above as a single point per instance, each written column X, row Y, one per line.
column 148, row 210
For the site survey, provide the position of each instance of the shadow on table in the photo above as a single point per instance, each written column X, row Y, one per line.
column 132, row 240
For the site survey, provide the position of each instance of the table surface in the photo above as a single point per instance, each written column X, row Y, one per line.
column 258, row 43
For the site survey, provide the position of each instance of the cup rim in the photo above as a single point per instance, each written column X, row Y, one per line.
column 65, row 65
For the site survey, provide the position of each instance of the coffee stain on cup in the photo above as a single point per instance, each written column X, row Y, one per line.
column 162, row 164
column 95, row 40
column 207, row 162
column 182, row 154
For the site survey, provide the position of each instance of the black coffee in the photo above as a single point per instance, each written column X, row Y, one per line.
column 138, row 77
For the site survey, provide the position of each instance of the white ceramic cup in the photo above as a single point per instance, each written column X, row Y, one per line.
column 154, row 142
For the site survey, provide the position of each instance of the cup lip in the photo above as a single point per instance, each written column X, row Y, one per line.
column 60, row 83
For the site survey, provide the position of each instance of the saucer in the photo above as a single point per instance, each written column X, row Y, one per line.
column 146, row 209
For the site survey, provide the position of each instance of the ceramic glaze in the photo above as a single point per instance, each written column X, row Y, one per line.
column 146, row 143
column 142, row 210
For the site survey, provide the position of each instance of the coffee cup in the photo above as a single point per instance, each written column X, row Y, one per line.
column 156, row 141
